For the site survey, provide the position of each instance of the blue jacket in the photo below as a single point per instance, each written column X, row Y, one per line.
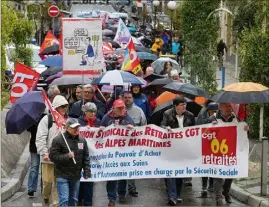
column 165, row 39
column 109, row 119
column 176, row 47
column 143, row 103
column 75, row 110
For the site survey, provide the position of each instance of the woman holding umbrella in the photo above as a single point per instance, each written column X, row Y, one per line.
column 87, row 119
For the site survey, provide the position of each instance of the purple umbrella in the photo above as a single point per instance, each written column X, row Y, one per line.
column 53, row 77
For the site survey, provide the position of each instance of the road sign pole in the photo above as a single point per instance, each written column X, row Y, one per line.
column 53, row 25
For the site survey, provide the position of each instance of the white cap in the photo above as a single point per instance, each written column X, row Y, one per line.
column 59, row 101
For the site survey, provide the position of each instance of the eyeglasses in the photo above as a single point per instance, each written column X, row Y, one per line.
column 88, row 92
column 91, row 111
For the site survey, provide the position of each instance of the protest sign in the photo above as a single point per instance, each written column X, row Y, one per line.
column 152, row 152
column 82, row 46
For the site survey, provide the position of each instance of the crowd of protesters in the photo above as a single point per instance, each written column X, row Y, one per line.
column 61, row 177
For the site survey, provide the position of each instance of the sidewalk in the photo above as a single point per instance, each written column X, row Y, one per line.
column 247, row 190
column 229, row 74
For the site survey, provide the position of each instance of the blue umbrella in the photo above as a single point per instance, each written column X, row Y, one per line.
column 53, row 61
column 117, row 78
column 147, row 56
column 25, row 112
column 132, row 29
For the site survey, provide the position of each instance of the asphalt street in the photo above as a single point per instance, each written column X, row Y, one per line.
column 152, row 192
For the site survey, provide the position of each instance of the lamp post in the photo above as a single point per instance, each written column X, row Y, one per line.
column 140, row 8
column 171, row 6
column 156, row 3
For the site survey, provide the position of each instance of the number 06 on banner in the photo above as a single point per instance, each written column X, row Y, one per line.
column 219, row 146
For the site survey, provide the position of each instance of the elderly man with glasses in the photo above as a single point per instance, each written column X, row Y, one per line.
column 88, row 96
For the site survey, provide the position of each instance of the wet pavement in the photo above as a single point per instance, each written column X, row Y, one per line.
column 152, row 192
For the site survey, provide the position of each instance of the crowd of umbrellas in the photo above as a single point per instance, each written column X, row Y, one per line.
column 27, row 110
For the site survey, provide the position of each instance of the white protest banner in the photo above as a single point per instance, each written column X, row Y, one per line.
column 117, row 153
column 82, row 46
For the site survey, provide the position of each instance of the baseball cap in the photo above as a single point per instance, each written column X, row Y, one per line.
column 118, row 103
column 89, row 107
column 72, row 123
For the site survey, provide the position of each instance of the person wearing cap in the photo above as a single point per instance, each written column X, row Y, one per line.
column 67, row 172
column 117, row 116
column 139, row 119
column 46, row 132
column 177, row 117
column 88, row 95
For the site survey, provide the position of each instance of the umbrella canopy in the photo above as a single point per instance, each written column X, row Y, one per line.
column 186, row 88
column 117, row 77
column 153, row 76
column 157, row 115
column 137, row 41
column 51, row 50
column 242, row 93
column 132, row 29
column 147, row 56
column 164, row 97
column 25, row 112
column 71, row 80
column 53, row 61
column 140, row 48
column 107, row 32
column 51, row 71
column 159, row 64
column 160, row 81
column 105, row 38
column 52, row 77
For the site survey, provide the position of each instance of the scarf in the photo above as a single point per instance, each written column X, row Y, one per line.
column 91, row 121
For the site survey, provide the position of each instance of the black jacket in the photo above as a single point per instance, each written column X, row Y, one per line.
column 219, row 116
column 64, row 166
column 32, row 145
column 170, row 119
column 75, row 110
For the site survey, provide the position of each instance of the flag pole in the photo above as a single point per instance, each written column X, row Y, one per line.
column 67, row 146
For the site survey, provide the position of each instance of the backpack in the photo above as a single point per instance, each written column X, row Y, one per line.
column 50, row 121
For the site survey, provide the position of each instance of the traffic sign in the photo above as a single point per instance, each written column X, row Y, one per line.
column 53, row 11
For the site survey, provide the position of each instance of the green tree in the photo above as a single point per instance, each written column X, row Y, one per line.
column 17, row 30
column 200, row 37
column 254, row 46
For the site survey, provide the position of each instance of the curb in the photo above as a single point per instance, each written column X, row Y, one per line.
column 248, row 198
column 17, row 175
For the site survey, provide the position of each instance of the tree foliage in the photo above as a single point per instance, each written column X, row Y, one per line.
column 254, row 47
column 16, row 30
column 200, row 37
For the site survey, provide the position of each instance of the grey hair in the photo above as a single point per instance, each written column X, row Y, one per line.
column 89, row 86
column 52, row 91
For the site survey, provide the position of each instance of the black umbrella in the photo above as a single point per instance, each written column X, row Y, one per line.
column 51, row 50
column 187, row 88
column 51, row 71
column 160, row 81
column 72, row 80
column 152, row 77
column 157, row 115
column 139, row 48
column 105, row 39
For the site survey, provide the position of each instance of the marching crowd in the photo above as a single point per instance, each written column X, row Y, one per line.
column 61, row 169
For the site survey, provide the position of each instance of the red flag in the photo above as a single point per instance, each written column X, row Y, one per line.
column 49, row 40
column 25, row 79
column 57, row 117
column 134, row 60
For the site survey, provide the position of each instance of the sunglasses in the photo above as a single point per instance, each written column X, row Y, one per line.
column 64, row 106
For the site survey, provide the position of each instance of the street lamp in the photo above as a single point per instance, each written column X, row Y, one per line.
column 140, row 8
column 156, row 3
column 172, row 6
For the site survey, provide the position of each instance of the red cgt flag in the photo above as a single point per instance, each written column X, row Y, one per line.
column 25, row 79
column 49, row 40
column 58, row 118
column 135, row 62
